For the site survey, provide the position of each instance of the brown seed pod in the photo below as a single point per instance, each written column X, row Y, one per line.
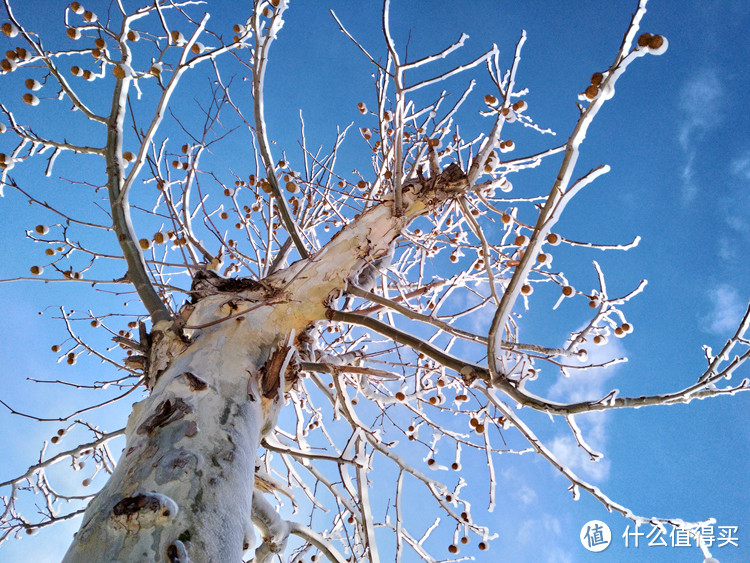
column 567, row 291
column 526, row 289
column 490, row 99
column 591, row 92
column 655, row 42
column 119, row 72
column 144, row 243
column 100, row 43
column 597, row 78
column 643, row 39
column 73, row 33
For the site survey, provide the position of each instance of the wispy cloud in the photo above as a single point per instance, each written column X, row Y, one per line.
column 547, row 525
column 581, row 386
column 700, row 103
column 727, row 309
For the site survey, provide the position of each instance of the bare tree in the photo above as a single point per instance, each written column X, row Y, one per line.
column 302, row 329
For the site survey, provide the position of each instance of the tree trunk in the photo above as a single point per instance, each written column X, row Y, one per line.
column 183, row 488
column 184, row 483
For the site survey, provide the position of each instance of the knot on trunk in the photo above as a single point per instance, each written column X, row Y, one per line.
column 143, row 510
column 167, row 412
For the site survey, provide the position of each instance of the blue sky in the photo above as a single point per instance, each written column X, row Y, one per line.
column 676, row 137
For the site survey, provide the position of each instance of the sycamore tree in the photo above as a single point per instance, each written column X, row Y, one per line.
column 312, row 343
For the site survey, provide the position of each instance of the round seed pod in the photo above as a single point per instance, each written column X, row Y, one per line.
column 100, row 43
column 144, row 243
column 76, row 7
column 36, row 270
column 526, row 289
column 76, row 71
column 32, row 84
column 567, row 291
column 133, row 36
column 591, row 92
column 7, row 66
column 41, row 229
column 9, row 29
column 74, row 33
column 90, row 16
column 644, row 39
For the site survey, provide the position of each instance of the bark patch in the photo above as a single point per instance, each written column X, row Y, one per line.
column 143, row 510
column 194, row 382
column 167, row 412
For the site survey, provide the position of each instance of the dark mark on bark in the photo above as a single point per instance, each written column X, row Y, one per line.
column 167, row 412
column 194, row 382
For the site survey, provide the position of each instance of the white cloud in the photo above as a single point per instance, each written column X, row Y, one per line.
column 547, row 526
column 526, row 495
column 584, row 385
column 700, row 102
column 741, row 167
column 727, row 311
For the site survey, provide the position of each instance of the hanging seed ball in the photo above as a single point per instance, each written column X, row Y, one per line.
column 224, row 215
column 627, row 328
column 22, row 54
column 599, row 340
column 177, row 37
column 431, row 461
column 643, row 39
column 86, row 482
column 197, row 48
column 95, row 323
column 159, row 238
column 655, row 42
column 238, row 28
column 55, row 439
column 526, row 289
column 88, row 75
column 100, row 43
column 90, row 16
column 400, row 396
column 71, row 361
column 593, row 304
column 31, row 99
column 362, row 107
column 76, row 71
column 185, row 165
column 619, row 333
column 144, row 243
column 7, row 66
column 591, row 92
column 292, row 187
column 482, row 545
column 567, row 291
column 73, row 33
column 542, row 258
column 129, row 156
column 76, row 7
column 479, row 428
column 9, row 29
column 553, row 239
column 50, row 251
column 133, row 35
column 597, row 78
column 119, row 72
column 464, row 540
column 453, row 548
column 32, row 84
column 490, row 99
column 521, row 240
column 11, row 55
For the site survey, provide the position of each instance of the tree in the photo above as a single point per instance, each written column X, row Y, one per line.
column 367, row 322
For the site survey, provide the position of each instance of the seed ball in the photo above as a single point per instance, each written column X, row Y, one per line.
column 655, row 42
column 76, row 7
column 177, row 38
column 30, row 99
column 490, row 99
column 32, row 84
column 36, row 270
column 292, row 187
column 553, row 239
column 71, row 361
column 55, row 348
column 197, row 48
column 644, row 39
column 527, row 289
column 627, row 328
column 482, row 545
column 129, row 156
column 100, row 43
column 453, row 548
column 144, row 243
column 479, row 428
column 597, row 78
column 567, row 291
column 88, row 75
column 464, row 540
column 400, row 396
column 9, row 29
column 593, row 304
column 159, row 238
column 95, row 323
column 55, row 439
column 76, row 71
column 133, row 36
column 86, row 482
column 591, row 92
column 542, row 258
column 73, row 33
column 119, row 72
column 90, row 16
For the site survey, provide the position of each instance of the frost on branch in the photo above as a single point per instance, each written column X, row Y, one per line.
column 308, row 335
